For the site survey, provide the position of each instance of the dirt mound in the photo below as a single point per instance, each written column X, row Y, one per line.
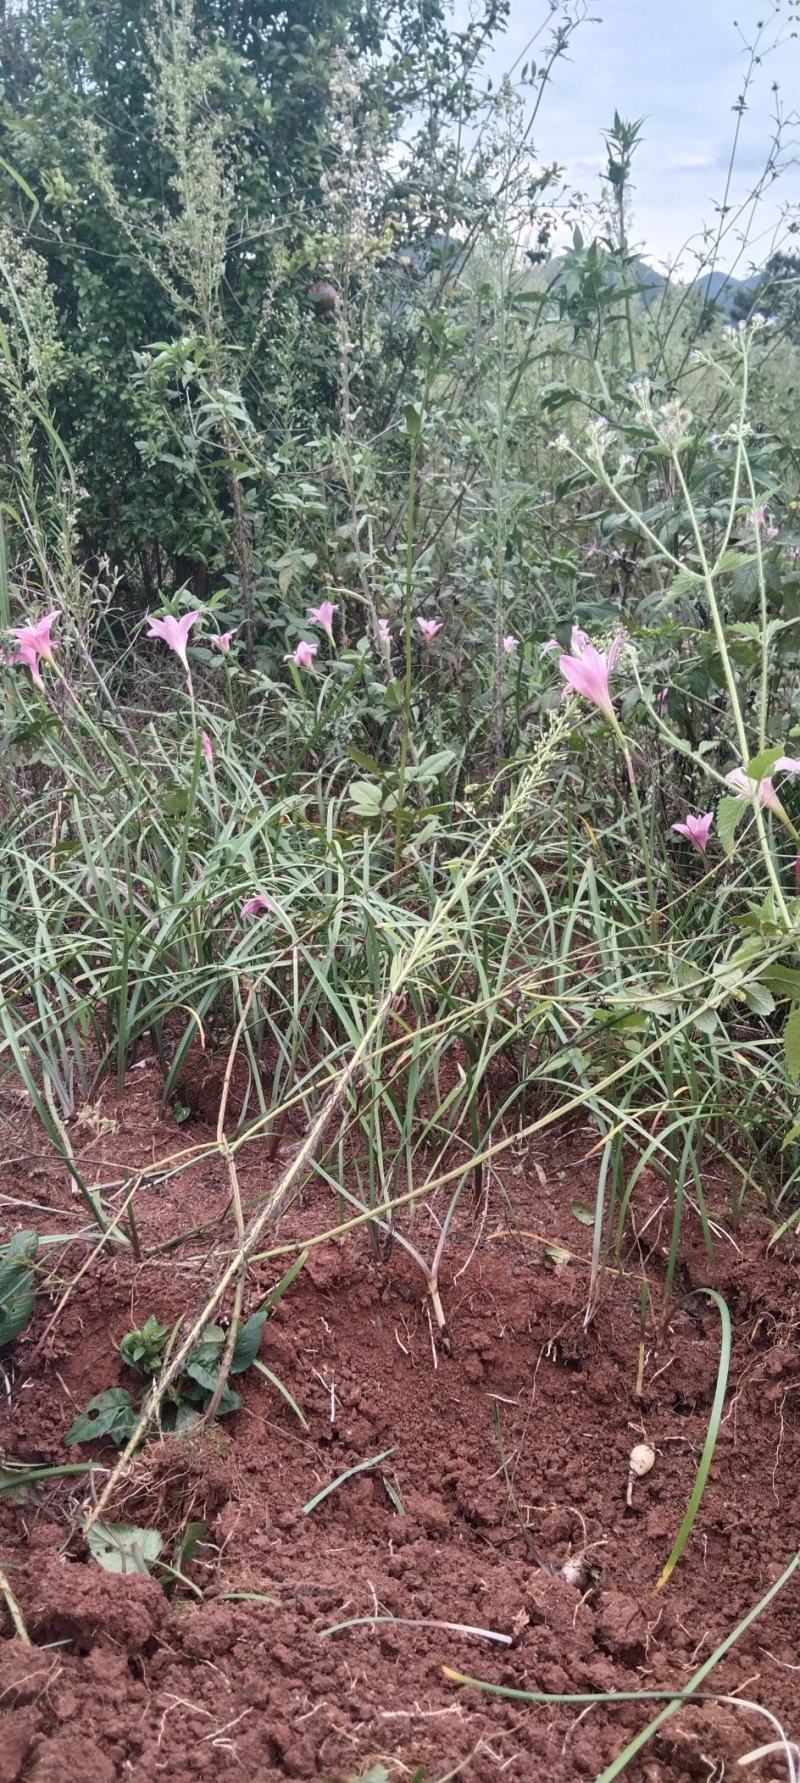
column 242, row 1676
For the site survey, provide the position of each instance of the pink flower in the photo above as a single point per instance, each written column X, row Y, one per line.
column 759, row 517
column 175, row 632
column 587, row 674
column 592, row 549
column 207, row 749
column 323, row 615
column 510, row 644
column 33, row 642
column 696, row 829
column 384, row 630
column 302, row 655
column 763, row 790
column 428, row 627
column 222, row 642
column 258, row 905
column 794, row 553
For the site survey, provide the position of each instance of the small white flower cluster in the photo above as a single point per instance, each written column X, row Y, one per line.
column 600, row 438
column 671, row 423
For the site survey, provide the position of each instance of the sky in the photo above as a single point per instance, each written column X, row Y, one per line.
column 680, row 65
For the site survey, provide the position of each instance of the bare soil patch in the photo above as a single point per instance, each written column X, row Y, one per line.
column 122, row 1682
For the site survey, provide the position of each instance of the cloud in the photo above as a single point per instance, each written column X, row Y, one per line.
column 682, row 75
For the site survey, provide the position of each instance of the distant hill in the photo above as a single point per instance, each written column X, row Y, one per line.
column 715, row 287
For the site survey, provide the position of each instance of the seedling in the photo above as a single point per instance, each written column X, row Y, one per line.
column 113, row 1414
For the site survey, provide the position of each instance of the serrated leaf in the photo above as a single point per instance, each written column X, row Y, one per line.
column 685, row 580
column 783, row 980
column 123, row 1547
column 707, row 1021
column 761, row 765
column 108, row 1414
column 759, row 999
column 791, row 1043
column 734, row 560
column 729, row 814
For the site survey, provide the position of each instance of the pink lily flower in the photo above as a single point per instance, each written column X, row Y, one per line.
column 763, row 790
column 510, row 644
column 428, row 627
column 259, row 905
column 174, row 632
column 222, row 642
column 696, row 830
column 33, row 642
column 207, row 748
column 323, row 615
column 587, row 674
column 303, row 655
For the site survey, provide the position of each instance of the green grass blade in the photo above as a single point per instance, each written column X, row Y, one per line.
column 710, row 1443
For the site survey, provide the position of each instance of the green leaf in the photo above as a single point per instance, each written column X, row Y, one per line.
column 365, row 798
column 783, row 980
column 394, row 695
column 791, row 1043
column 733, row 560
column 729, row 814
column 759, row 999
column 124, row 1547
column 685, row 580
column 761, row 765
column 584, row 1214
column 707, row 1021
column 187, row 1547
column 17, row 1285
column 280, row 1387
column 248, row 1341
column 108, row 1414
column 142, row 1349
column 714, row 1421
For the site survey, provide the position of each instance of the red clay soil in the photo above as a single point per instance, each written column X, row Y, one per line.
column 123, row 1682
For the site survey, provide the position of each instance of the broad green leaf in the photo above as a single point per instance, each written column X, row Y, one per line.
column 365, row 798
column 123, row 1547
column 759, row 999
column 108, row 1414
column 248, row 1340
column 761, row 765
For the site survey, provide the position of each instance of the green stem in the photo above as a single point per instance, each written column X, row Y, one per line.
column 408, row 592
